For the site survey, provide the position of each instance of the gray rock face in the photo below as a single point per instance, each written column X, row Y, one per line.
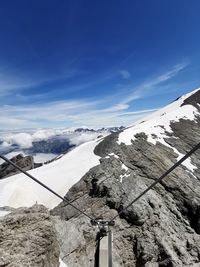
column 77, row 241
column 26, row 163
column 27, row 238
column 162, row 228
column 194, row 100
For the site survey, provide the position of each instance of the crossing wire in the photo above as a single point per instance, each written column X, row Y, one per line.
column 45, row 186
column 132, row 202
column 158, row 180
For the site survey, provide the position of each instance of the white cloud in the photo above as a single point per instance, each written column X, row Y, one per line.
column 15, row 83
column 23, row 140
column 114, row 108
column 125, row 74
column 171, row 73
column 150, row 85
column 43, row 134
column 77, row 139
column 138, row 112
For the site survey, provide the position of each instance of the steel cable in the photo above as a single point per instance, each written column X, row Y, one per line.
column 132, row 202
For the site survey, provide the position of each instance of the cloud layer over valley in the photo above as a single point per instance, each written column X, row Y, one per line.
column 45, row 144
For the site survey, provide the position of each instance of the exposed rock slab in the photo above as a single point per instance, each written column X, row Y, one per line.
column 27, row 238
column 26, row 163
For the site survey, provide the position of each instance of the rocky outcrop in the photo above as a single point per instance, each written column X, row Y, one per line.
column 163, row 227
column 194, row 100
column 27, row 238
column 77, row 241
column 26, row 163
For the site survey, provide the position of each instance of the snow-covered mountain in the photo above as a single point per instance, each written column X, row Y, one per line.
column 157, row 127
column 103, row 176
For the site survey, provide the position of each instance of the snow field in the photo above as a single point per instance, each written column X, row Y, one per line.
column 60, row 175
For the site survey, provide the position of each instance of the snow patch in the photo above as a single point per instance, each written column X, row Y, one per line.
column 124, row 167
column 187, row 163
column 122, row 176
column 62, row 264
column 114, row 155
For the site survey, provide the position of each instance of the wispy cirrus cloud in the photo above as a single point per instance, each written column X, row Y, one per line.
column 125, row 74
column 43, row 115
column 13, row 81
column 151, row 84
column 108, row 111
column 56, row 114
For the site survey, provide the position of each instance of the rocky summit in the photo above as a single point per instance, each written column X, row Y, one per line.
column 28, row 239
column 163, row 227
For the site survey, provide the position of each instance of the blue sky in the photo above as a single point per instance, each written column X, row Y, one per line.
column 67, row 63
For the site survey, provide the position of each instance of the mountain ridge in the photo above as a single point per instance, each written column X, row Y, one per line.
column 163, row 227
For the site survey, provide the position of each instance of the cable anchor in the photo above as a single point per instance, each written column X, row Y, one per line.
column 103, row 254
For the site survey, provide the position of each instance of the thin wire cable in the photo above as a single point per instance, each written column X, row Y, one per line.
column 45, row 186
column 143, row 193
column 159, row 179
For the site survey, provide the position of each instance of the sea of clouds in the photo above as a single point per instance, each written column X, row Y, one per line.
column 15, row 142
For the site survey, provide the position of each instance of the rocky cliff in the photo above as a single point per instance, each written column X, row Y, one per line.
column 26, row 163
column 163, row 227
column 28, row 238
